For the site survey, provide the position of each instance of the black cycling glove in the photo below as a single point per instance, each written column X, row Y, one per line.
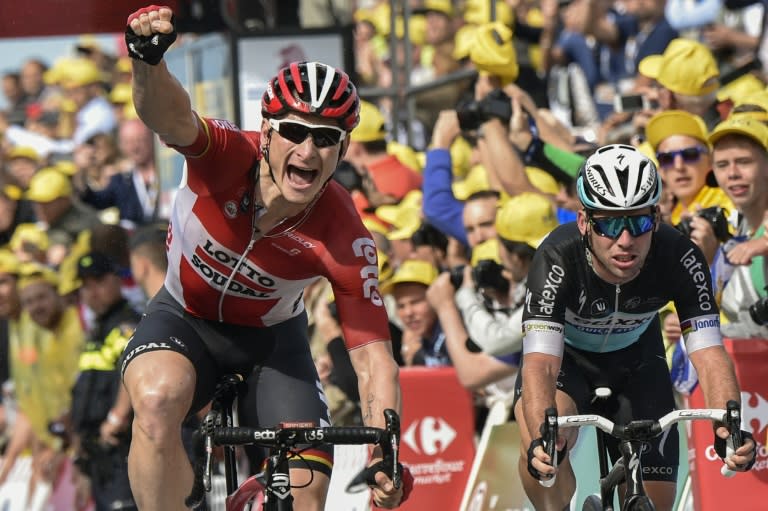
column 560, row 455
column 720, row 447
column 149, row 49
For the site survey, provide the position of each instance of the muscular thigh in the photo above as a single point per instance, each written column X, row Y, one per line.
column 213, row 348
column 286, row 388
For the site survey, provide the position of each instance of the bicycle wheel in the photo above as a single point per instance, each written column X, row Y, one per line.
column 592, row 503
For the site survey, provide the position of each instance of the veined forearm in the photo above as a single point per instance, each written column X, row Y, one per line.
column 163, row 104
column 377, row 379
column 716, row 375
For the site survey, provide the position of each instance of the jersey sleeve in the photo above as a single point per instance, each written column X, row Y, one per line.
column 544, row 308
column 351, row 265
column 219, row 156
column 693, row 296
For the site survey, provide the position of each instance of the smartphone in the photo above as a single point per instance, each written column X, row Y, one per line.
column 630, row 103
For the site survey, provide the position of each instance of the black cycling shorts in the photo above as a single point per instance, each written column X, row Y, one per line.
column 282, row 381
column 638, row 377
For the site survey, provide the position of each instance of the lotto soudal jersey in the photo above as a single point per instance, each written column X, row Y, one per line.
column 567, row 302
column 211, row 226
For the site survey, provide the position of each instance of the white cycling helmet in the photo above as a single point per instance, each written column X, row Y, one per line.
column 617, row 178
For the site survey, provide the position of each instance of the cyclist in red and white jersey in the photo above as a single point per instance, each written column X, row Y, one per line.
column 590, row 320
column 256, row 219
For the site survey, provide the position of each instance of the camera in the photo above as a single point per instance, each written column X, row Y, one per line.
column 631, row 103
column 715, row 215
column 473, row 113
column 758, row 311
column 486, row 274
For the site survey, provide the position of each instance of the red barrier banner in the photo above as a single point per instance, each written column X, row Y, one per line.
column 438, row 428
column 744, row 491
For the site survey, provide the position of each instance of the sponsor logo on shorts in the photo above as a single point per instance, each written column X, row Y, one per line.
column 150, row 346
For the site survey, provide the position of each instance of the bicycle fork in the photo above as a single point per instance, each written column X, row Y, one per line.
column 277, row 491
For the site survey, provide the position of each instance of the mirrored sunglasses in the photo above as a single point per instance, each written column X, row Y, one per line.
column 689, row 155
column 297, row 132
column 613, row 226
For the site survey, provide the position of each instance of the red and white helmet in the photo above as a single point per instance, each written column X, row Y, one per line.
column 313, row 88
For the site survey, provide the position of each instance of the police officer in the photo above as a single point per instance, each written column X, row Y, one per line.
column 101, row 410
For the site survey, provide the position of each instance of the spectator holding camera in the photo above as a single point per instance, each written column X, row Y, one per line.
column 740, row 162
column 683, row 151
column 521, row 223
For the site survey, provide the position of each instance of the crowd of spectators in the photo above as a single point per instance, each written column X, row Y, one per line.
column 457, row 199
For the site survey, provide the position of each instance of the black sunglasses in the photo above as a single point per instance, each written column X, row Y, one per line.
column 689, row 155
column 613, row 226
column 297, row 131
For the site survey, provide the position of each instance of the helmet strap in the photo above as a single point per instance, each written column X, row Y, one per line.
column 265, row 152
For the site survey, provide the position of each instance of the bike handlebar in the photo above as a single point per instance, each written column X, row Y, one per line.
column 287, row 437
column 641, row 430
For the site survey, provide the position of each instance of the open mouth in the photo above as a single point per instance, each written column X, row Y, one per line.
column 301, row 178
column 624, row 261
column 738, row 190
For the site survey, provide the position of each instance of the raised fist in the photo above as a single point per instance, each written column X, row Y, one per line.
column 150, row 31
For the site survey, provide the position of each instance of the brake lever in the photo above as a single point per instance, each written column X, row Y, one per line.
column 549, row 438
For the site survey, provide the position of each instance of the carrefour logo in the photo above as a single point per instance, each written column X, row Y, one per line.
column 754, row 412
column 430, row 435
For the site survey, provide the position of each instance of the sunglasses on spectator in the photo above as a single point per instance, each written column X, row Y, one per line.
column 297, row 132
column 689, row 155
column 612, row 226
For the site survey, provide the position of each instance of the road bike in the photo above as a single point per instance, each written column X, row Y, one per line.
column 270, row 490
column 632, row 437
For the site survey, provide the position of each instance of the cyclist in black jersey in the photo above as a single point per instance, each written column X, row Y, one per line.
column 591, row 320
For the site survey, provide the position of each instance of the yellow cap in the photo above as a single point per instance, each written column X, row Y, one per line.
column 461, row 157
column 56, row 72
column 742, row 86
column 27, row 152
column 686, row 67
column 494, row 53
column 463, row 41
column 372, row 124
column 475, row 181
column 9, row 263
column 66, row 167
column 759, row 98
column 11, row 192
column 675, row 122
column 526, row 218
column 542, row 180
column 373, row 224
column 479, row 11
column 123, row 65
column 48, row 184
column 121, row 93
column 440, row 6
column 405, row 154
column 68, row 281
column 742, row 126
column 33, row 273
column 407, row 222
column 88, row 42
column 29, row 234
column 487, row 250
column 411, row 270
column 81, row 72
column 385, row 269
